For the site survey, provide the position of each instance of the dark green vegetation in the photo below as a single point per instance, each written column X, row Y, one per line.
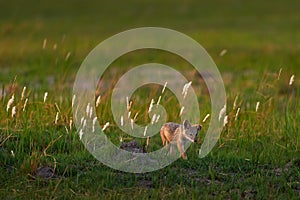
column 257, row 155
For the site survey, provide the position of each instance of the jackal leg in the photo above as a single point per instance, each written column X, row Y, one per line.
column 181, row 150
column 163, row 138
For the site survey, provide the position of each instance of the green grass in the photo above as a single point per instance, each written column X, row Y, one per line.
column 257, row 155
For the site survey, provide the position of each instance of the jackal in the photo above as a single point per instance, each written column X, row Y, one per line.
column 179, row 134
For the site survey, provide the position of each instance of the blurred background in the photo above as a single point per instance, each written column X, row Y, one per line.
column 44, row 42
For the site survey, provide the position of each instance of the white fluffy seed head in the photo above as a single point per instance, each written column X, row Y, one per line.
column 151, row 105
column 237, row 113
column 10, row 102
column 122, row 121
column 225, row 120
column 257, row 106
column 45, row 43
column 94, row 123
column 164, row 88
column 222, row 112
column 91, row 112
column 131, row 123
column 105, row 126
column 158, row 101
column 80, row 134
column 292, row 80
column 23, row 93
column 186, row 88
column 206, row 117
column 45, row 96
column 279, row 74
column 98, row 101
column 56, row 118
column 84, row 123
column 13, row 112
column 128, row 115
column 145, row 131
column 81, row 121
column 25, row 104
column 157, row 118
column 135, row 116
column 12, row 153
column 87, row 109
column 148, row 141
column 128, row 104
column 153, row 119
column 235, row 101
column 181, row 110
column 73, row 100
column 71, row 124
column 68, row 56
column 223, row 52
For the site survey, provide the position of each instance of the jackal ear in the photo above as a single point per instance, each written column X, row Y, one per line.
column 199, row 127
column 186, row 124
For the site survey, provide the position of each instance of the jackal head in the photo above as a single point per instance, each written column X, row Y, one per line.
column 191, row 131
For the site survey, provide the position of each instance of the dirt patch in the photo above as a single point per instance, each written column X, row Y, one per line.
column 132, row 147
column 45, row 173
column 278, row 171
column 145, row 183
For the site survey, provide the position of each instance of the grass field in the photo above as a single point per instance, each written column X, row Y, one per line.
column 43, row 44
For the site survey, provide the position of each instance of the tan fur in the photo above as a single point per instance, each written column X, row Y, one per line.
column 179, row 134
